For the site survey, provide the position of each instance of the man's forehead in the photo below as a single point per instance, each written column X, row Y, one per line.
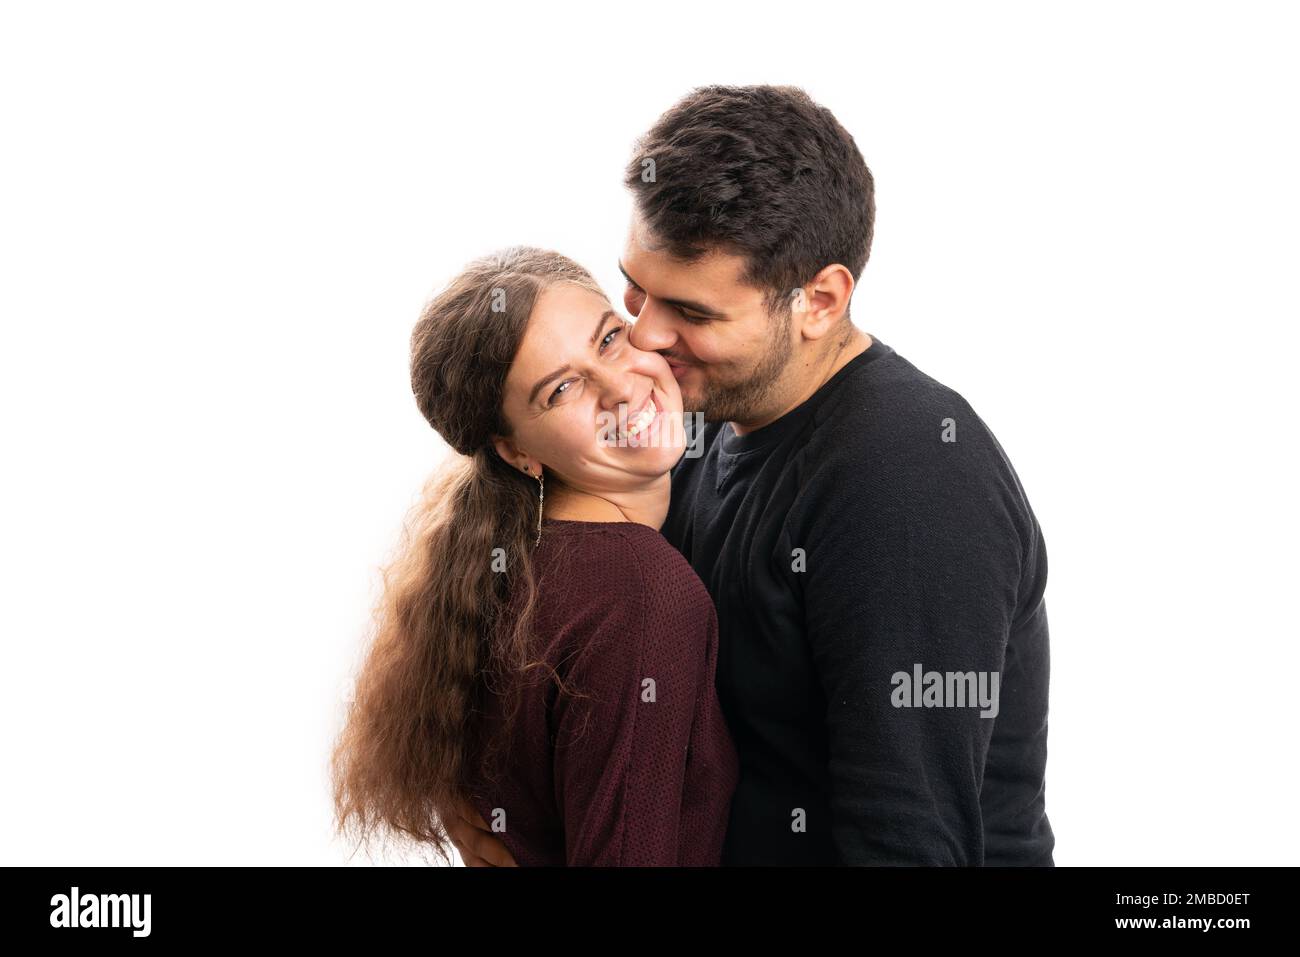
column 717, row 272
column 638, row 234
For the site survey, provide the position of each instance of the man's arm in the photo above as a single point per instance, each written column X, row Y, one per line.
column 915, row 552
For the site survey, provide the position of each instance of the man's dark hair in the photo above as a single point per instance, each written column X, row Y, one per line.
column 758, row 171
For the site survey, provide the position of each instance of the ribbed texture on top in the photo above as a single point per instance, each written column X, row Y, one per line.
column 634, row 765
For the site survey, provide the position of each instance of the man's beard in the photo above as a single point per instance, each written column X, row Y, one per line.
column 750, row 399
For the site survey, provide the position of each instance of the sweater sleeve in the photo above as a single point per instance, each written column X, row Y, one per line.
column 642, row 757
column 917, row 554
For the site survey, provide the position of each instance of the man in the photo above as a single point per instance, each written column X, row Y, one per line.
column 876, row 567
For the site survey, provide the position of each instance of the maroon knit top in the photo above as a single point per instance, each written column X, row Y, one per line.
column 629, row 762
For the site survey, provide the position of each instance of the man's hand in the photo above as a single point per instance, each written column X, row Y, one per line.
column 478, row 846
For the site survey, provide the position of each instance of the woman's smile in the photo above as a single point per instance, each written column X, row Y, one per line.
column 640, row 422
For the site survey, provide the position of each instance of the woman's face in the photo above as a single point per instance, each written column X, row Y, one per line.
column 593, row 409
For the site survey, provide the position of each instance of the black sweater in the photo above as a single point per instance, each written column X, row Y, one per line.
column 871, row 536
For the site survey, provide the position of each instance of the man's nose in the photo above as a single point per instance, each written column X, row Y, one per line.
column 653, row 329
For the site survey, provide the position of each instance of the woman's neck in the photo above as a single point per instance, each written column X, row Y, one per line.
column 647, row 505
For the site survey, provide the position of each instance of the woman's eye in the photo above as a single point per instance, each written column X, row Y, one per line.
column 609, row 337
column 604, row 343
column 558, row 389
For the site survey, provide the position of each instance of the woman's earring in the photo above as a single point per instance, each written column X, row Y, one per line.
column 541, row 501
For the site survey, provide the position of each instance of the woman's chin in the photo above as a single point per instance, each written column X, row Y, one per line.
column 660, row 437
column 650, row 454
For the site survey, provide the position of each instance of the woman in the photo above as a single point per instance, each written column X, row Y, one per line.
column 542, row 657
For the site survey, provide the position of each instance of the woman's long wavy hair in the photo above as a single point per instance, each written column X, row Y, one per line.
column 446, row 632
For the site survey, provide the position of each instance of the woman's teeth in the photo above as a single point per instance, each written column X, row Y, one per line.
column 641, row 421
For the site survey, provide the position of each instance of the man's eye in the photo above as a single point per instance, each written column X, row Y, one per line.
column 694, row 320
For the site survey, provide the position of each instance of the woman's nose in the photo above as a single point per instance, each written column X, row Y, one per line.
column 618, row 385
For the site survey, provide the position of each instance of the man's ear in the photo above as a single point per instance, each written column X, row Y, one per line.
column 824, row 301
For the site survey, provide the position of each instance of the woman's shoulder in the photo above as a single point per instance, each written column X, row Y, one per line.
column 619, row 596
column 625, row 543
column 634, row 560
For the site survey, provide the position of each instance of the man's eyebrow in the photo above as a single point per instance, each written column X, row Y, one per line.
column 541, row 383
column 679, row 303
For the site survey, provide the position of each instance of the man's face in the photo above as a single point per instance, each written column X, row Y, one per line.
column 728, row 355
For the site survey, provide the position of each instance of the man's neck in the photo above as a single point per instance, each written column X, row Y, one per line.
column 858, row 343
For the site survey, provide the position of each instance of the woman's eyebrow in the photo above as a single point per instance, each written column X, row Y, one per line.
column 680, row 303
column 541, row 383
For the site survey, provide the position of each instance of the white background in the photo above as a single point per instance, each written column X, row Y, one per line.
column 218, row 224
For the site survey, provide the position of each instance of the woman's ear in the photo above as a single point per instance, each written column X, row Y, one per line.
column 513, row 456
